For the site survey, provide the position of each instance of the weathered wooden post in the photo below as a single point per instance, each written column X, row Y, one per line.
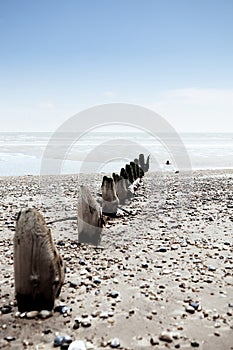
column 129, row 173
column 143, row 165
column 142, row 161
column 133, row 166
column 123, row 173
column 141, row 172
column 147, row 165
column 116, row 178
column 90, row 221
column 130, row 191
column 38, row 268
column 122, row 189
column 136, row 167
column 110, row 200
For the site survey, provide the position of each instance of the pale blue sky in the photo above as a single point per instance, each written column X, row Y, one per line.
column 59, row 57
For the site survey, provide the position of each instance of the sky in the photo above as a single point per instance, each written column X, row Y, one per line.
column 60, row 57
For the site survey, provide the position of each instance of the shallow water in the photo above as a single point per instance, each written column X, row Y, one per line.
column 43, row 153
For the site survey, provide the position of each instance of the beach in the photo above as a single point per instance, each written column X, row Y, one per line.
column 160, row 279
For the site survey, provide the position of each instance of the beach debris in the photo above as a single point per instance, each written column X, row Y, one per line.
column 110, row 200
column 38, row 267
column 90, row 221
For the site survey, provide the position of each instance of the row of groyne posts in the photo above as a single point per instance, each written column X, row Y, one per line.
column 39, row 269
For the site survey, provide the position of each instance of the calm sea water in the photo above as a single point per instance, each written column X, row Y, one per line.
column 42, row 153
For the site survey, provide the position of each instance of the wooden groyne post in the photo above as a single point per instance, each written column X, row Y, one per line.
column 38, row 267
column 90, row 221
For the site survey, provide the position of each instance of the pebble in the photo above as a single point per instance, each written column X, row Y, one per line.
column 217, row 334
column 115, row 343
column 45, row 314
column 97, row 281
column 145, row 265
column 63, row 309
column 47, row 331
column 6, row 309
column 162, row 250
column 190, row 309
column 166, row 272
column 103, row 315
column 9, row 338
column 194, row 344
column 86, row 323
column 58, row 340
column 153, row 342
column 77, row 345
column 166, row 336
column 74, row 284
column 212, row 268
column 195, row 305
column 114, row 294
column 32, row 314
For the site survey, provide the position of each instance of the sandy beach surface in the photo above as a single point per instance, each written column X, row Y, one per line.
column 161, row 278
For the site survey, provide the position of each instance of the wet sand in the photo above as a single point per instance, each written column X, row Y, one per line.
column 161, row 278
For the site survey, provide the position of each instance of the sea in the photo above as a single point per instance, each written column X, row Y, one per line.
column 45, row 153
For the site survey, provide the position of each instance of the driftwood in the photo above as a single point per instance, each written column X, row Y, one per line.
column 38, row 267
column 90, row 221
column 110, row 200
column 62, row 219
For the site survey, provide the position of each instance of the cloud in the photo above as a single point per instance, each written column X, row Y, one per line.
column 195, row 109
